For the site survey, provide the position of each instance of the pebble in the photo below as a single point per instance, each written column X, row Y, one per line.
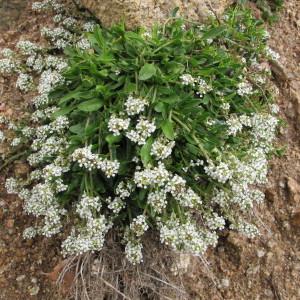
column 34, row 290
column 260, row 253
column 10, row 223
column 225, row 283
column 20, row 278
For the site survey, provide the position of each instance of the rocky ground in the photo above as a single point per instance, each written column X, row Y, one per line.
column 265, row 268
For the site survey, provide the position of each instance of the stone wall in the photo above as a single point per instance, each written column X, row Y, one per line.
column 147, row 12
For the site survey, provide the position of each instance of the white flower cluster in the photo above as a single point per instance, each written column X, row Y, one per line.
column 164, row 183
column 201, row 86
column 221, row 172
column 11, row 185
column 89, row 26
column 16, row 142
column 88, row 206
column 7, row 53
column 272, row 54
column 187, row 79
column 162, row 148
column 49, row 79
column 24, row 82
column 85, row 158
column 156, row 176
column 27, row 47
column 50, row 147
column 2, row 136
column 262, row 127
column 157, row 200
column 29, row 233
column 56, row 63
column 143, row 130
column 244, row 88
column 47, row 4
column 41, row 201
column 7, row 65
column 36, row 63
column 83, row 44
column 215, row 222
column 133, row 251
column 134, row 106
column 69, row 22
column 116, row 205
column 40, row 100
column 234, row 125
column 241, row 176
column 124, row 190
column 139, row 225
column 89, row 238
column 115, row 124
column 59, row 37
column 186, row 237
column 245, row 228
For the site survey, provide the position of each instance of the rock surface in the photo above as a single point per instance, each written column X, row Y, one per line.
column 148, row 12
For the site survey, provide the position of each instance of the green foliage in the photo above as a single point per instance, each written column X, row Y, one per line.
column 179, row 116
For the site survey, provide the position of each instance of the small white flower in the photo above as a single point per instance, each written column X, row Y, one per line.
column 143, row 130
column 83, row 44
column 116, row 124
column 29, row 233
column 187, row 79
column 89, row 26
column 2, row 136
column 27, row 47
column 24, row 82
column 273, row 55
column 134, row 106
column 244, row 88
column 157, row 200
column 234, row 125
column 202, row 87
column 15, row 142
column 133, row 251
column 162, row 148
column 274, row 108
column 7, row 53
column 139, row 225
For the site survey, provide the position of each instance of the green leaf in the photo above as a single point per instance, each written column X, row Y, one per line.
column 213, row 33
column 167, row 128
column 112, row 139
column 174, row 12
column 91, row 105
column 147, row 71
column 145, row 151
column 62, row 112
column 192, row 149
column 77, row 129
column 160, row 107
column 171, row 99
column 71, row 95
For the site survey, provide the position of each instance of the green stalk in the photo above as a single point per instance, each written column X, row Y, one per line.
column 12, row 158
column 188, row 129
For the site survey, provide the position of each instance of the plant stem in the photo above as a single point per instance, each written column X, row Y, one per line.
column 204, row 152
column 11, row 159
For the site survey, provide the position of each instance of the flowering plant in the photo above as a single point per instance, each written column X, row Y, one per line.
column 166, row 130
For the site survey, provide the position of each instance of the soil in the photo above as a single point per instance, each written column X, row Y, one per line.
column 265, row 268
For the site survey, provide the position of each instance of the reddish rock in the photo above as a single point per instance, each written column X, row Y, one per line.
column 10, row 223
column 293, row 190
